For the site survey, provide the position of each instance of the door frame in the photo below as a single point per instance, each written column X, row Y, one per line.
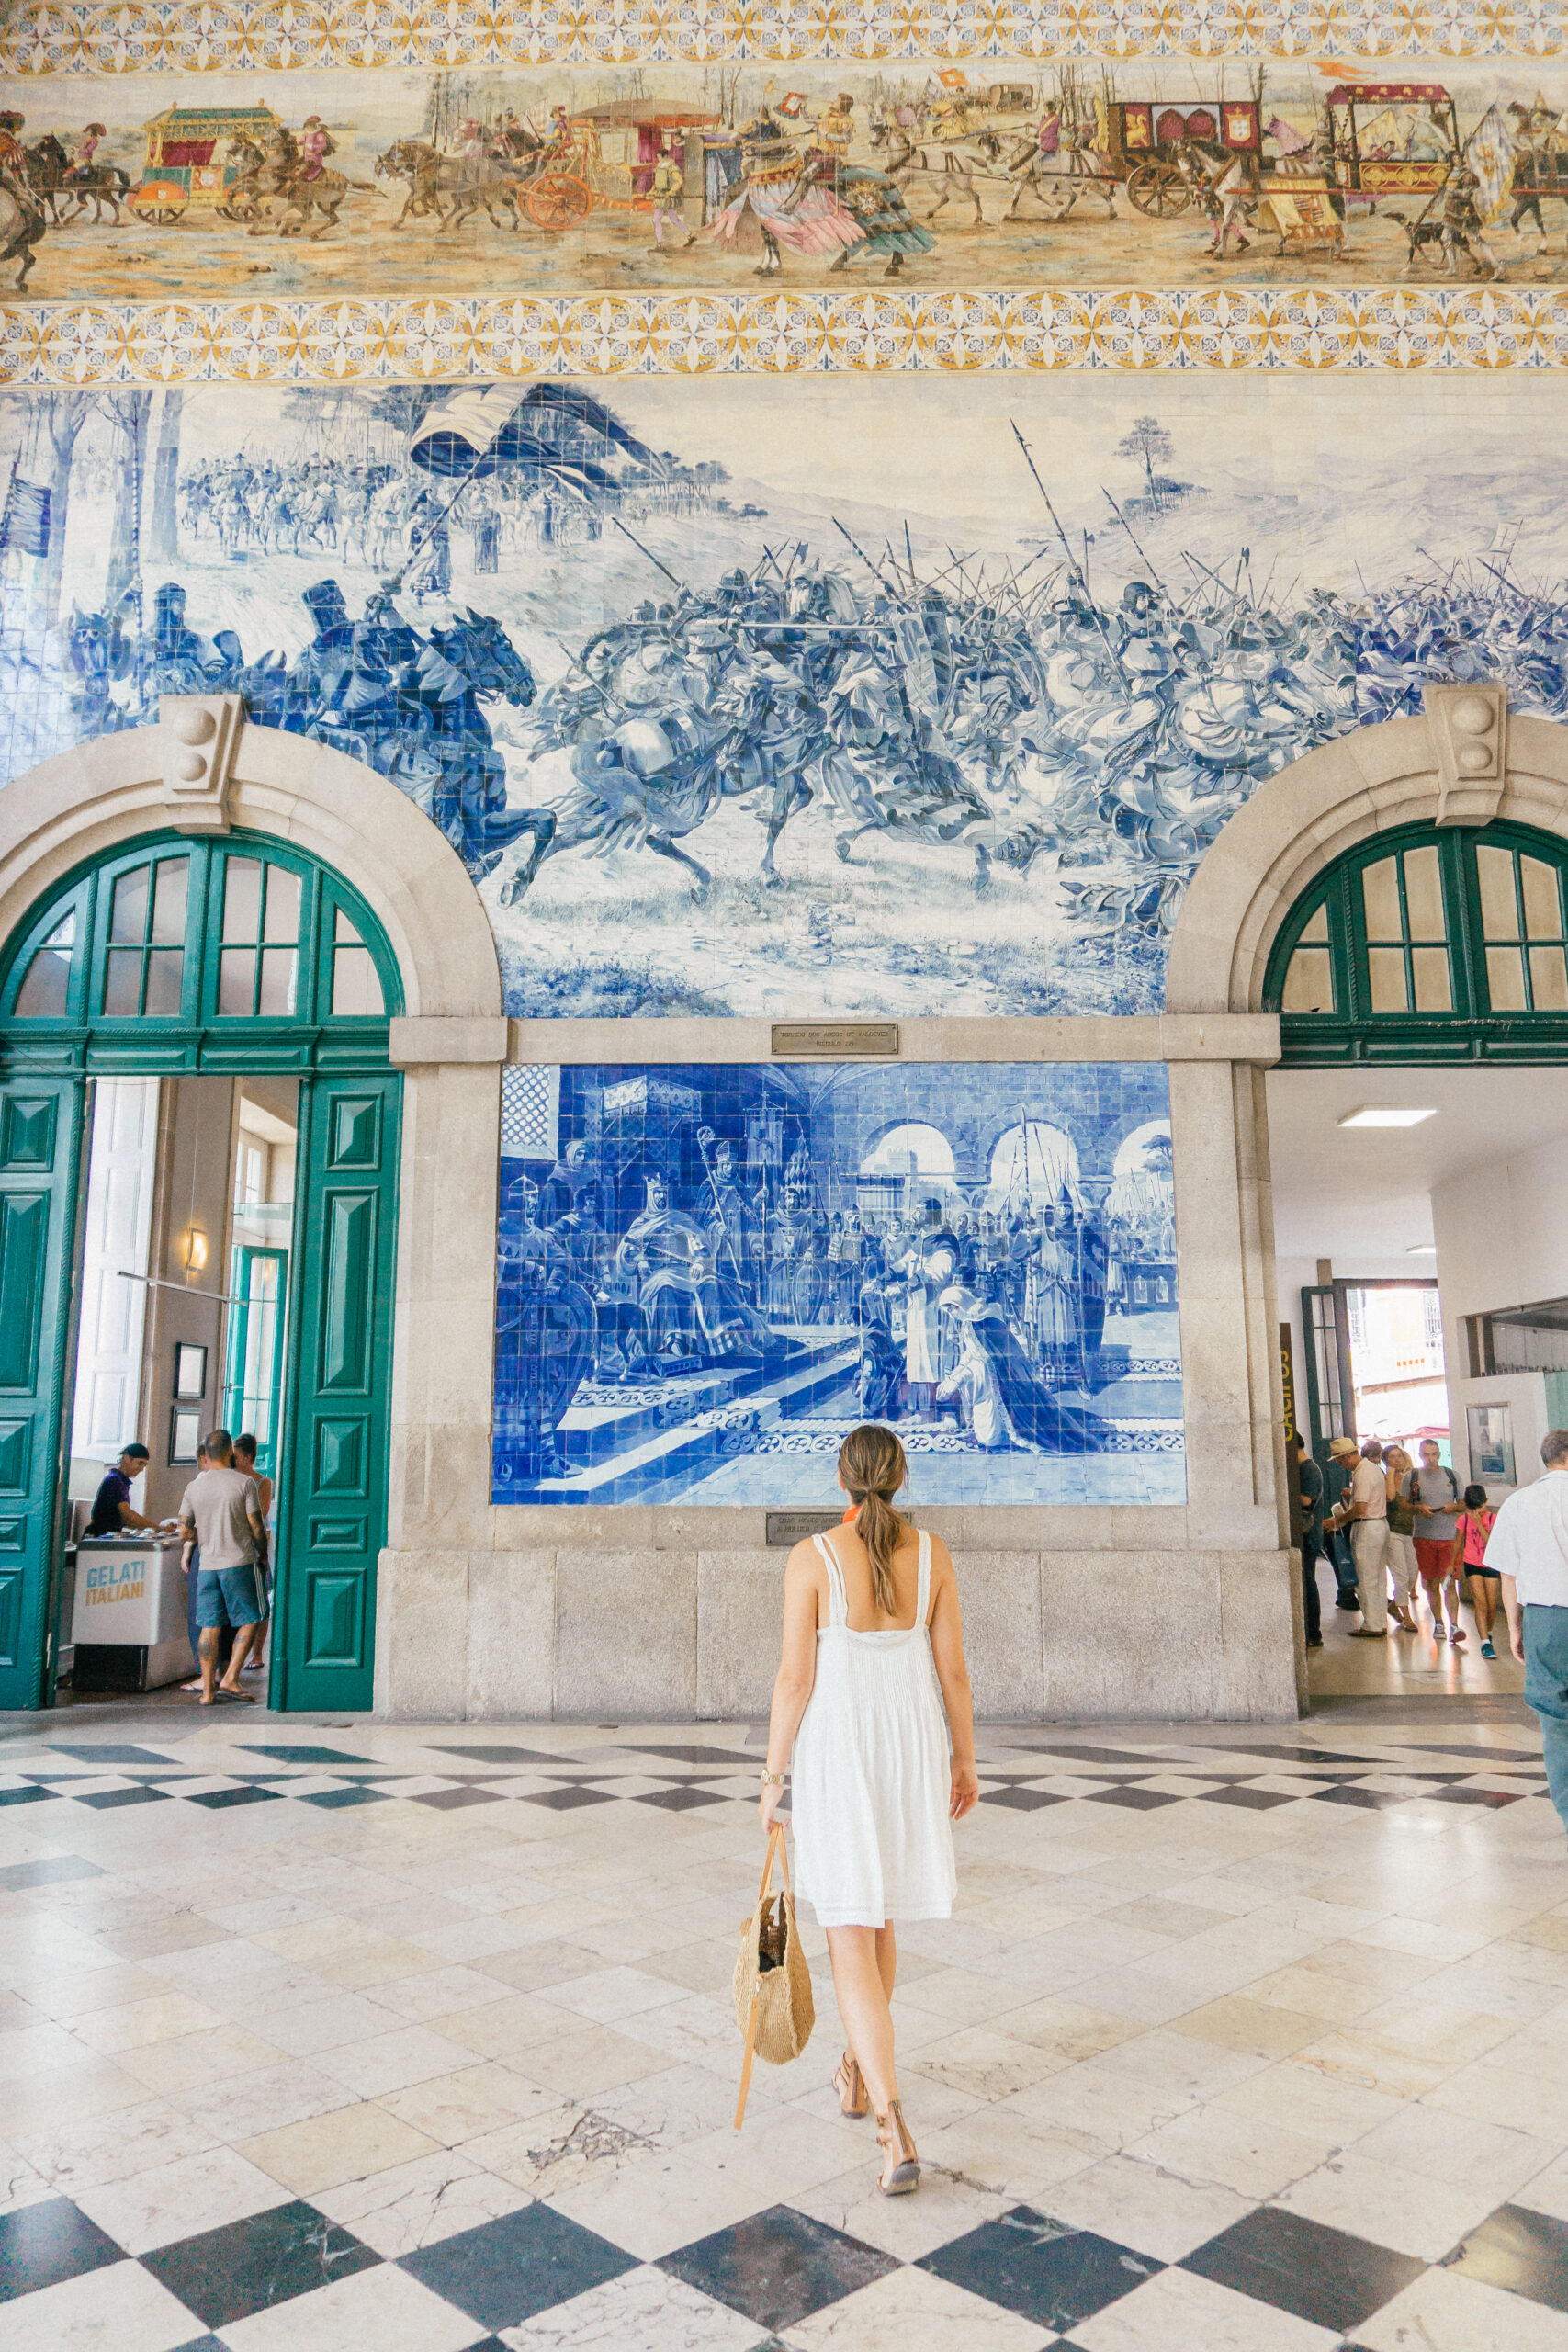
column 448, row 1045
column 1366, row 783
column 240, row 1308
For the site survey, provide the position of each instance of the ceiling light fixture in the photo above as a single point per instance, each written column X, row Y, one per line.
column 1422, row 1249
column 1386, row 1114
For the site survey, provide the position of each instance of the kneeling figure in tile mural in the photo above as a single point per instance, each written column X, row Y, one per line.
column 709, row 1275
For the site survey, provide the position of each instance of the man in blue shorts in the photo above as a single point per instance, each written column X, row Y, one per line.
column 222, row 1512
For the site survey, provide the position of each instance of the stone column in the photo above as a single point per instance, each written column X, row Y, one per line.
column 1231, row 1390
column 439, row 1501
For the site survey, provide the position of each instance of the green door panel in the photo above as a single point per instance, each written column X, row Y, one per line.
column 41, row 1129
column 332, row 1513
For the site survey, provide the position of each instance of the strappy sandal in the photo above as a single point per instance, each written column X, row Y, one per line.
column 850, row 2083
column 900, row 2173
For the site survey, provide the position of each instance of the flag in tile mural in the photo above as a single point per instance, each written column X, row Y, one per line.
column 1492, row 150
column 24, row 522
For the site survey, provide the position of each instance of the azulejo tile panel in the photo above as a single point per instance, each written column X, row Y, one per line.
column 1298, row 330
column 708, row 1274
column 213, row 36
column 805, row 705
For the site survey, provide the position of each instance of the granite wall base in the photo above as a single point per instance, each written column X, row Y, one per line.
column 1110, row 1627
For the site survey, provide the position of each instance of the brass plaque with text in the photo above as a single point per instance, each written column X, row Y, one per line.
column 853, row 1038
column 787, row 1527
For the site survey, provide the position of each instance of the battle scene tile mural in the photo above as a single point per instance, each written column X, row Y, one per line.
column 706, row 1275
column 845, row 699
column 1001, row 172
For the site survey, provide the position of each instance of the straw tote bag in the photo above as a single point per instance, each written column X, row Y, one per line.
column 773, row 1983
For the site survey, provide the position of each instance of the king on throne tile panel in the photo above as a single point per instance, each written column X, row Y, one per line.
column 707, row 1274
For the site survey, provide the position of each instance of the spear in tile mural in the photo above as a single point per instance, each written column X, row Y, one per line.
column 1143, row 559
column 1074, row 568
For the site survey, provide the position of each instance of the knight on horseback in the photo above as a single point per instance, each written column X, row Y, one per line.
column 22, row 221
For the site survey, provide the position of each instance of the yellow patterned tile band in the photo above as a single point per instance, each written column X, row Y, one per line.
column 276, row 36
column 1303, row 328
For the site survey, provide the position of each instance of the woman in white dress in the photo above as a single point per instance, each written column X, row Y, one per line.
column 884, row 1760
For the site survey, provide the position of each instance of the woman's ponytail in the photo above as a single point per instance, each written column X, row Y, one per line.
column 871, row 1466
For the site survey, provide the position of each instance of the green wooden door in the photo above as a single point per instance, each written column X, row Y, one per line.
column 41, row 1131
column 331, row 1508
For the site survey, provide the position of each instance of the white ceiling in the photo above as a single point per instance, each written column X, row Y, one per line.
column 1362, row 1192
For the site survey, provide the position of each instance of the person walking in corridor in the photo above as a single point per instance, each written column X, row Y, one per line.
column 1308, row 1476
column 1434, row 1498
column 1343, row 1456
column 882, row 1765
column 1398, row 1470
column 220, row 1512
column 1528, row 1548
column 1476, row 1521
column 1364, row 1511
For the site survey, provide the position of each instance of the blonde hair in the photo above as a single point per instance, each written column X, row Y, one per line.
column 871, row 1466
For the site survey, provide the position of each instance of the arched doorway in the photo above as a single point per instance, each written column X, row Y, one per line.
column 1397, row 903
column 235, row 956
column 259, row 903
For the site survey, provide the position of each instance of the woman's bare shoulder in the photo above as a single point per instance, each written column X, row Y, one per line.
column 941, row 1559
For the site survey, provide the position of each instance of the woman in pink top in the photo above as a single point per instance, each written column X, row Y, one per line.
column 1473, row 1525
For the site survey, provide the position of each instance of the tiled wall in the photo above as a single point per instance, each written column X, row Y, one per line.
column 800, row 708
column 709, row 1275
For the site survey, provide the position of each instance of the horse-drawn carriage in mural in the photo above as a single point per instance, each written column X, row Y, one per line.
column 1149, row 144
column 1392, row 139
column 610, row 161
column 192, row 163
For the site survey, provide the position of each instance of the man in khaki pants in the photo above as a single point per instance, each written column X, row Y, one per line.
column 1365, row 1511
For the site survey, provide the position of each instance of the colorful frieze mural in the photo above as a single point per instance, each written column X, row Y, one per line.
column 1004, row 173
column 707, row 1275
column 863, row 699
column 175, row 37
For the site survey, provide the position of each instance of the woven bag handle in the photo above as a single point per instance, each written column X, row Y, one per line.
column 775, row 1845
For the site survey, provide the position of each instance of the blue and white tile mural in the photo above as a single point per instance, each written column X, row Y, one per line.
column 817, row 697
column 708, row 1274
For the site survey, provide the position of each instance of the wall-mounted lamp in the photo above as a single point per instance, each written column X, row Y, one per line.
column 193, row 1251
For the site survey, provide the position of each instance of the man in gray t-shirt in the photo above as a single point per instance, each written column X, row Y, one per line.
column 221, row 1510
column 1434, row 1498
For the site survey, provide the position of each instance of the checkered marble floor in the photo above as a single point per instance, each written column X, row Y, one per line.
column 318, row 2036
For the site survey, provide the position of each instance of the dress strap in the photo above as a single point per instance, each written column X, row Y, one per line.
column 838, row 1599
column 923, row 1588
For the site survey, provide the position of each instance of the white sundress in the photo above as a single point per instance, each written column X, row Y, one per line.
column 871, row 1774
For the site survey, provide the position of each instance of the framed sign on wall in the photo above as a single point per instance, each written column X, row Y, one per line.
column 1492, row 1445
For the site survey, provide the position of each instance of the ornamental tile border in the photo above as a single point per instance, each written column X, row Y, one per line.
column 685, row 334
column 225, row 36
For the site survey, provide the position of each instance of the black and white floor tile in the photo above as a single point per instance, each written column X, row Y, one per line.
column 420, row 2040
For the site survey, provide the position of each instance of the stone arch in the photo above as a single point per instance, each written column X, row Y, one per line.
column 877, row 1135
column 1298, row 823
column 88, row 802
column 85, row 803
column 1141, row 1135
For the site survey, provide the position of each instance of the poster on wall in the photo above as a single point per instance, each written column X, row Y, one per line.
column 580, row 179
column 708, row 1274
column 830, row 699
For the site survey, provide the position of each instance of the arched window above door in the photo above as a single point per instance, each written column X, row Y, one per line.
column 1428, row 945
column 238, row 950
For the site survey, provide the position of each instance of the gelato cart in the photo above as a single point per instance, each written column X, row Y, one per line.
column 127, row 1619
